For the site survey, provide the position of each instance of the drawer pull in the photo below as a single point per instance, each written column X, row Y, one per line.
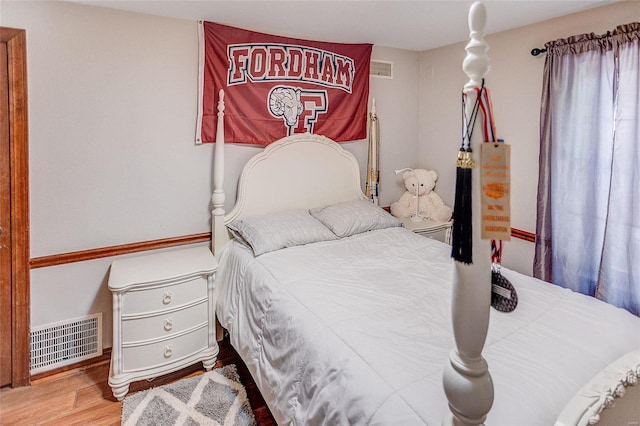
column 168, row 351
column 166, row 298
column 168, row 324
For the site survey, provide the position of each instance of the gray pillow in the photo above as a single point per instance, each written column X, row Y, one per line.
column 354, row 217
column 279, row 230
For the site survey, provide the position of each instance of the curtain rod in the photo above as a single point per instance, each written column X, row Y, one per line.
column 536, row 51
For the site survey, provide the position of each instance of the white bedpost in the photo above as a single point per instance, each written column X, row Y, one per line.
column 217, row 198
column 467, row 381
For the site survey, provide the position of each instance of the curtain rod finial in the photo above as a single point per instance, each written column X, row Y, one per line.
column 535, row 51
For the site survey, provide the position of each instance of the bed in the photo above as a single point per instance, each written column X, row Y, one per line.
column 344, row 317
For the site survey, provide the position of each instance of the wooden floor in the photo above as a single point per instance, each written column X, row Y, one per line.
column 82, row 396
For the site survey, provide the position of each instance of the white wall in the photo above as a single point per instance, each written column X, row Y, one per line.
column 515, row 83
column 397, row 103
column 112, row 107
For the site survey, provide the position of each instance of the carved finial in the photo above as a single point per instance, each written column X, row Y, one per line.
column 476, row 63
column 373, row 106
column 220, row 101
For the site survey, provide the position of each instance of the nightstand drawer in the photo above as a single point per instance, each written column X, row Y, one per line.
column 165, row 324
column 164, row 297
column 151, row 355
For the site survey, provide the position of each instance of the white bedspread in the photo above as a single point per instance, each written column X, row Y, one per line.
column 357, row 331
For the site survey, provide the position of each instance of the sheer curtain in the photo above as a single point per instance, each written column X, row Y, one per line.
column 588, row 223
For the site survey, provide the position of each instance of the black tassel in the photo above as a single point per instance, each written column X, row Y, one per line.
column 462, row 237
column 462, row 230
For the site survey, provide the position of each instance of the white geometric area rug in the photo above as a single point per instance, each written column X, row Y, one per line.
column 214, row 398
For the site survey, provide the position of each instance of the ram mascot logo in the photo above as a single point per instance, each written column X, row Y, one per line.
column 290, row 103
column 285, row 102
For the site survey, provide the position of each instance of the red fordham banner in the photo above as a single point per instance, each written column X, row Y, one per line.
column 277, row 86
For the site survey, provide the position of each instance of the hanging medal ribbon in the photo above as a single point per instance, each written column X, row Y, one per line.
column 504, row 297
column 495, row 205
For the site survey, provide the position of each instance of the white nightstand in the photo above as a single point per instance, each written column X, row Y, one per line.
column 429, row 228
column 163, row 315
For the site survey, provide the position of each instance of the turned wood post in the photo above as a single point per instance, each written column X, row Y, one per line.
column 467, row 381
column 217, row 198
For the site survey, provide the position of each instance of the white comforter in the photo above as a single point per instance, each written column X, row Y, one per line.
column 357, row 331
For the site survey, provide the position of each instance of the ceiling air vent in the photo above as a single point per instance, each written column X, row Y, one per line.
column 381, row 69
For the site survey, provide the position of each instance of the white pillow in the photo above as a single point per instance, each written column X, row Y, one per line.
column 354, row 217
column 279, row 230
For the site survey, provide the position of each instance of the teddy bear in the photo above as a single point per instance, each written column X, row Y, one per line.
column 430, row 205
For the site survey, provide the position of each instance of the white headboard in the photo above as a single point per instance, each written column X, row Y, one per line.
column 298, row 171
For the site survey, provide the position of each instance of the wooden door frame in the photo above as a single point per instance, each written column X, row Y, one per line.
column 16, row 41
